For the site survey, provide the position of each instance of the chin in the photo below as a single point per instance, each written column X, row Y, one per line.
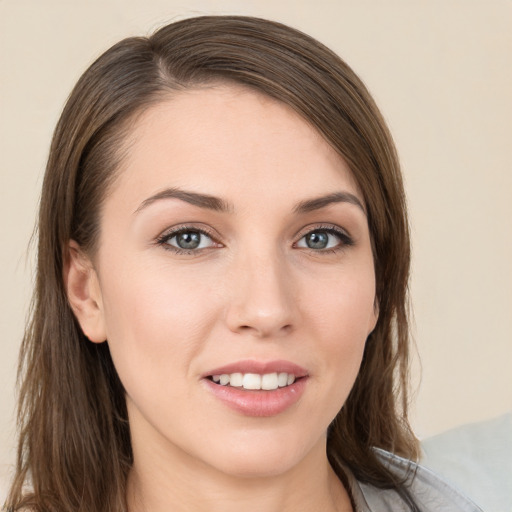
column 266, row 456
column 257, row 466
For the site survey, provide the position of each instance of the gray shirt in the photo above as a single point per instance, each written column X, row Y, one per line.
column 428, row 492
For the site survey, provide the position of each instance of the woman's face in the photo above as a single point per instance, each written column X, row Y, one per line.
column 234, row 254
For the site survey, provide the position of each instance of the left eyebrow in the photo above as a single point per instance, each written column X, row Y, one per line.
column 201, row 200
column 317, row 203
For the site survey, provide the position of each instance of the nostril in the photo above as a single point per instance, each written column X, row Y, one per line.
column 264, row 332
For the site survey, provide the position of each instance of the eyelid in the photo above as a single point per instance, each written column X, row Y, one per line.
column 322, row 227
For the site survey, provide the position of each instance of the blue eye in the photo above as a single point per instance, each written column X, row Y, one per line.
column 322, row 239
column 188, row 240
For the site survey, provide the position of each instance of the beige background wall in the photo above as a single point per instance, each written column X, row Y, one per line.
column 441, row 72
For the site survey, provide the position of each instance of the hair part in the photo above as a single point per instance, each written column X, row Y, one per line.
column 74, row 448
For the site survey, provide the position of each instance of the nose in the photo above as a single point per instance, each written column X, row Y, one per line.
column 262, row 299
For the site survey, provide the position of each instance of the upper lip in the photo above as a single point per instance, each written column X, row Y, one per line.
column 259, row 367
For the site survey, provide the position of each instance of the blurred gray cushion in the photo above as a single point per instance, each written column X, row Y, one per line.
column 477, row 459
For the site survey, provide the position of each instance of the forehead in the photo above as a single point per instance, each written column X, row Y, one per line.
column 228, row 140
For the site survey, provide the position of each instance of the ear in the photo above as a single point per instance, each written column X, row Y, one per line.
column 375, row 316
column 84, row 293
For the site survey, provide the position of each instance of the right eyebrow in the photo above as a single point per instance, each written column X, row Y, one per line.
column 321, row 202
column 202, row 200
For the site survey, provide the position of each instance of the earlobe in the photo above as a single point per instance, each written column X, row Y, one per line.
column 84, row 293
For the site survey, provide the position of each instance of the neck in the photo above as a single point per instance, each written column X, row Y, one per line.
column 158, row 480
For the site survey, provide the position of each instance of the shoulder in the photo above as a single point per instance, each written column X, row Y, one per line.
column 422, row 490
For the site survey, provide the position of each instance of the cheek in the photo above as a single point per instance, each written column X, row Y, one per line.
column 343, row 306
column 341, row 317
column 156, row 321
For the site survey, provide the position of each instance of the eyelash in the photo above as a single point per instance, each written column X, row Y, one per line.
column 344, row 239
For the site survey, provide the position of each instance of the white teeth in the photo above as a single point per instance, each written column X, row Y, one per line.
column 282, row 380
column 268, row 381
column 252, row 381
column 236, row 380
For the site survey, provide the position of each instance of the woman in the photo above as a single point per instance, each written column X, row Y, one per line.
column 220, row 315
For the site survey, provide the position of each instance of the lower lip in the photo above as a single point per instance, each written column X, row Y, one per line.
column 259, row 403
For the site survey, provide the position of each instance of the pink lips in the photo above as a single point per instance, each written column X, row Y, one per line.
column 258, row 403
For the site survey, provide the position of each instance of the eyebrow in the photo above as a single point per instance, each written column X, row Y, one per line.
column 201, row 200
column 323, row 201
column 214, row 203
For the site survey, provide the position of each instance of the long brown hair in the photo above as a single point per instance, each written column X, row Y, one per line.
column 74, row 449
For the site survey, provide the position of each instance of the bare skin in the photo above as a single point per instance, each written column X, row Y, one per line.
column 300, row 489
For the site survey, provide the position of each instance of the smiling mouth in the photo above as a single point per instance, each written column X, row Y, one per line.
column 255, row 381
